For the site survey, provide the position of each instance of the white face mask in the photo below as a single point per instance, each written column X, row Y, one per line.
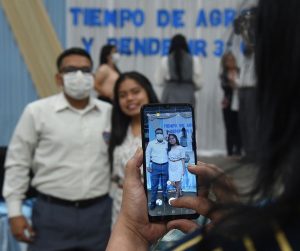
column 115, row 57
column 78, row 85
column 159, row 137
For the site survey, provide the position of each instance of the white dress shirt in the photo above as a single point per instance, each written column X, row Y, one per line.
column 156, row 152
column 247, row 76
column 64, row 147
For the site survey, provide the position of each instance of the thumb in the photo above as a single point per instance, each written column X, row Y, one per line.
column 132, row 170
column 30, row 230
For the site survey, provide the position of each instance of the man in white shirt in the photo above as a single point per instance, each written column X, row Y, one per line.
column 157, row 154
column 62, row 139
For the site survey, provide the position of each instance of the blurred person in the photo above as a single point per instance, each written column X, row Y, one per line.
column 61, row 139
column 176, row 155
column 183, row 137
column 179, row 73
column 131, row 92
column 157, row 164
column 270, row 220
column 228, row 76
column 107, row 73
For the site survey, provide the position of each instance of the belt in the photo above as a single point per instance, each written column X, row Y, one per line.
column 78, row 203
column 175, row 160
column 159, row 163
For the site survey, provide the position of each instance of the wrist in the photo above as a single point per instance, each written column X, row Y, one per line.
column 127, row 236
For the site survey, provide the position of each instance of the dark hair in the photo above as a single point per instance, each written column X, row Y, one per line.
column 277, row 60
column 183, row 132
column 159, row 129
column 177, row 141
column 72, row 51
column 105, row 52
column 178, row 46
column 278, row 88
column 119, row 120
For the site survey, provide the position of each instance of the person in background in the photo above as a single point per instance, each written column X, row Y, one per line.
column 61, row 139
column 271, row 219
column 183, row 137
column 176, row 155
column 179, row 73
column 131, row 92
column 107, row 73
column 229, row 74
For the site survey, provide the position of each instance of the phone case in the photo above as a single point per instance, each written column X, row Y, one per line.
column 169, row 145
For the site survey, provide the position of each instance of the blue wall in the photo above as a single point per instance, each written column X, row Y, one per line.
column 16, row 86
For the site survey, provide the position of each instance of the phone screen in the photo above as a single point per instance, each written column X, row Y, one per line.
column 168, row 137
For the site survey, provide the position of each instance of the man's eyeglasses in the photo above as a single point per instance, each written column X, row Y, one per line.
column 69, row 69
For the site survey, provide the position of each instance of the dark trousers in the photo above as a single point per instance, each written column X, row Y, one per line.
column 65, row 228
column 233, row 137
column 248, row 120
column 160, row 173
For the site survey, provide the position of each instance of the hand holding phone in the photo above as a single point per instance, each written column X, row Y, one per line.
column 168, row 139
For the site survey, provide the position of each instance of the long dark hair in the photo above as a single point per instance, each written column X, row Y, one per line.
column 105, row 52
column 178, row 46
column 176, row 139
column 277, row 60
column 278, row 89
column 119, row 120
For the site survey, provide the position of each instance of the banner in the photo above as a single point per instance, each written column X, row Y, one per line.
column 142, row 30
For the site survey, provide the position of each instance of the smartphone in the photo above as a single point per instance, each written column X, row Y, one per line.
column 169, row 145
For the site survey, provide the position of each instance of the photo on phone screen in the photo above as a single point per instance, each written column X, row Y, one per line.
column 168, row 136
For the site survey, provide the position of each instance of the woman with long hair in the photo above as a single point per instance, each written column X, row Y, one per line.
column 132, row 90
column 176, row 156
column 107, row 72
column 179, row 73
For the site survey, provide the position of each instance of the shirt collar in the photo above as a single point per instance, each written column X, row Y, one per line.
column 62, row 104
column 157, row 142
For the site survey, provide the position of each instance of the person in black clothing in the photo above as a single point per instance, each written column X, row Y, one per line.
column 229, row 72
column 271, row 219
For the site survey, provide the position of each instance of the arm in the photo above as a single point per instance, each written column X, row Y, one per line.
column 148, row 154
column 101, row 75
column 16, row 181
column 133, row 231
column 197, row 74
column 183, row 166
column 183, row 160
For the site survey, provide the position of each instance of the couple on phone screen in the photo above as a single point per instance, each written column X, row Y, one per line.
column 167, row 165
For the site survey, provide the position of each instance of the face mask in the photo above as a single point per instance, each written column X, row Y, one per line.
column 159, row 137
column 115, row 57
column 78, row 85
